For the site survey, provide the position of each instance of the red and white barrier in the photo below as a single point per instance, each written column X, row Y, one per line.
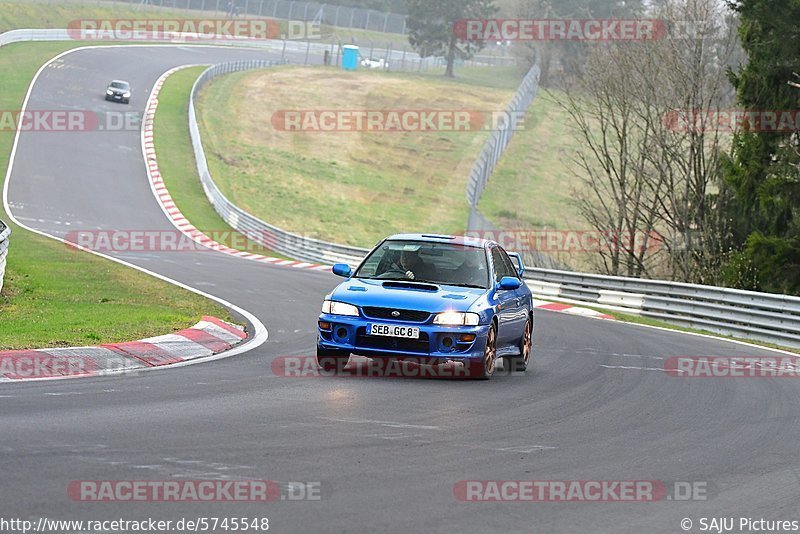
column 208, row 337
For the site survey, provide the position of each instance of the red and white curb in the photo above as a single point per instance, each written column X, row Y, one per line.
column 208, row 337
column 568, row 308
column 168, row 204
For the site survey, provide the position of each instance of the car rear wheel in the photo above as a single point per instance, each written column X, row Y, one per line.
column 486, row 367
column 332, row 360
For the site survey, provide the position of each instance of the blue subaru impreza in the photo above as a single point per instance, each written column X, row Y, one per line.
column 430, row 298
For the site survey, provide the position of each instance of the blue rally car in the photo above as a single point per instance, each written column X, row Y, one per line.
column 432, row 298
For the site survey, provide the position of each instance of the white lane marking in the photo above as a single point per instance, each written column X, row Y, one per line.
column 390, row 424
column 633, row 368
column 259, row 336
column 526, row 448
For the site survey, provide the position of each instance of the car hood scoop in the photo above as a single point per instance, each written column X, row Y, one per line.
column 454, row 297
column 410, row 285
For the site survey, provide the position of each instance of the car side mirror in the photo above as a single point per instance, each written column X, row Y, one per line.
column 342, row 269
column 509, row 283
column 520, row 265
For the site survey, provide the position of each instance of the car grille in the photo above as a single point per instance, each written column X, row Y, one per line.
column 411, row 316
column 420, row 346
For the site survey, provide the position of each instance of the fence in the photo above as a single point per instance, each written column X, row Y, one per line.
column 293, row 245
column 732, row 312
column 340, row 16
column 312, row 52
column 5, row 233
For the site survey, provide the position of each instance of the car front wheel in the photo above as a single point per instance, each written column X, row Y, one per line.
column 485, row 368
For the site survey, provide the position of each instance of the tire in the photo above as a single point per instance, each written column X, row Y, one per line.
column 519, row 364
column 484, row 370
column 332, row 360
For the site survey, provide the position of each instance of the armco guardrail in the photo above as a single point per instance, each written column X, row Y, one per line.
column 5, row 233
column 272, row 237
column 496, row 144
column 733, row 312
column 490, row 155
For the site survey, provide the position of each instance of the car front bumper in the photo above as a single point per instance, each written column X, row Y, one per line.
column 350, row 334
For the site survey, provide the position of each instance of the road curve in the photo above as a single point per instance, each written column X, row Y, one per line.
column 386, row 451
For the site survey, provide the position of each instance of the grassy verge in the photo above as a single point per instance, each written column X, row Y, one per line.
column 55, row 296
column 347, row 187
column 177, row 166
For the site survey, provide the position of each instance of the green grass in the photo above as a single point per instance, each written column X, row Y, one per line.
column 177, row 165
column 346, row 187
column 56, row 296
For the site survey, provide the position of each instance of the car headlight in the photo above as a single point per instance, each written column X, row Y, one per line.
column 109, row 92
column 457, row 319
column 339, row 308
column 126, row 94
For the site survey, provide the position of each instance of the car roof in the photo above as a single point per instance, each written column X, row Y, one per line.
column 462, row 240
column 120, row 81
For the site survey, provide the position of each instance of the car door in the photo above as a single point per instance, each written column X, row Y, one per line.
column 524, row 292
column 508, row 307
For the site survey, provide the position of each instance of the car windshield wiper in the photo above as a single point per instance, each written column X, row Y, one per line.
column 466, row 285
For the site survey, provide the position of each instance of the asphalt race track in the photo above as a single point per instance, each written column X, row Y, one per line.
column 386, row 451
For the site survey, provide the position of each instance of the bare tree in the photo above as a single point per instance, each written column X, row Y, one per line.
column 648, row 152
column 684, row 77
column 616, row 198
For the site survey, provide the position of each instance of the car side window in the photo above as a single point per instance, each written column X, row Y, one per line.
column 501, row 265
column 509, row 263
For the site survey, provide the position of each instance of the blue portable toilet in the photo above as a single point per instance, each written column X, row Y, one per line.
column 350, row 57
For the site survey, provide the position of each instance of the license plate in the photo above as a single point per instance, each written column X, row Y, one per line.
column 389, row 330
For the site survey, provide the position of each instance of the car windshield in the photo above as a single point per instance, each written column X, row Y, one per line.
column 422, row 261
column 119, row 85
